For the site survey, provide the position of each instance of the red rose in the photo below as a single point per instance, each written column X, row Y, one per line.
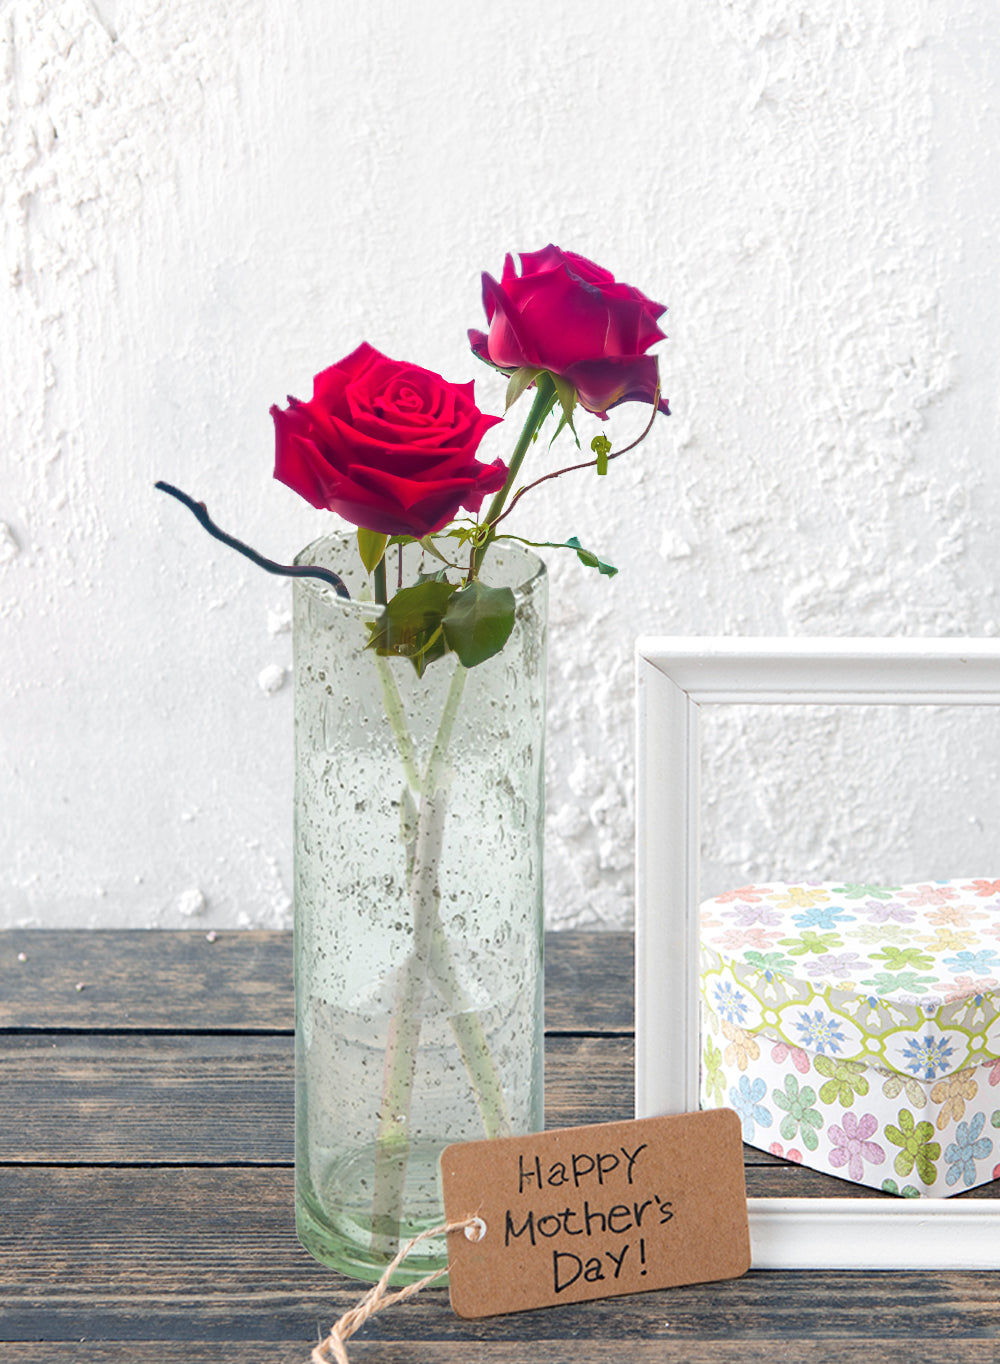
column 387, row 445
column 567, row 315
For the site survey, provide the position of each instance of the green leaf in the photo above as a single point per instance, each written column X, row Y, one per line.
column 478, row 622
column 520, row 380
column 410, row 625
column 566, row 394
column 431, row 548
column 371, row 547
column 591, row 560
column 564, row 421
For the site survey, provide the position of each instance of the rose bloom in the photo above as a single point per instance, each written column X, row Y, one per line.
column 565, row 314
column 387, row 445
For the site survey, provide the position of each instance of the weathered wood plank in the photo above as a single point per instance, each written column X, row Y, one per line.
column 682, row 1350
column 589, row 984
column 220, row 1099
column 152, row 980
column 211, row 1255
column 229, row 1100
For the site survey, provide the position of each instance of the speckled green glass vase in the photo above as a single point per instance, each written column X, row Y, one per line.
column 418, row 910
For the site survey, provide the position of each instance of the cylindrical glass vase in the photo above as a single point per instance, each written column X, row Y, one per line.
column 418, row 910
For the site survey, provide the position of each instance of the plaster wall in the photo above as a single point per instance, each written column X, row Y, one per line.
column 202, row 203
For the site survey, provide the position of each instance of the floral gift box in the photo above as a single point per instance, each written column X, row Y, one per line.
column 856, row 1028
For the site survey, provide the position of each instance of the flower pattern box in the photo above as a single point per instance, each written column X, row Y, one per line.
column 856, row 1028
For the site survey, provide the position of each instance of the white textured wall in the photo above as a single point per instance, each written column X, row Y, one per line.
column 204, row 201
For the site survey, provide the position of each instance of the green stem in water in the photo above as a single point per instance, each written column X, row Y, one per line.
column 471, row 1039
column 392, row 1141
column 393, row 703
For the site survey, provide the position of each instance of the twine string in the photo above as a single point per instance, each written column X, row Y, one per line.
column 335, row 1345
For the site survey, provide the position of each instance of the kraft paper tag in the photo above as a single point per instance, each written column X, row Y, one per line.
column 593, row 1212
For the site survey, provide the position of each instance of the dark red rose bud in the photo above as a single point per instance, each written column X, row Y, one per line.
column 565, row 314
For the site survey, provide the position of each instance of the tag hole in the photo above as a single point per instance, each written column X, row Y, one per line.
column 476, row 1231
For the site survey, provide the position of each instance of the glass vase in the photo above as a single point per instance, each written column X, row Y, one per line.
column 418, row 909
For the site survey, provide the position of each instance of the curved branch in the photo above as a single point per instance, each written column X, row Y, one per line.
column 588, row 464
column 325, row 575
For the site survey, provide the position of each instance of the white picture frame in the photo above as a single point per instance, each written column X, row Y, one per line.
column 675, row 679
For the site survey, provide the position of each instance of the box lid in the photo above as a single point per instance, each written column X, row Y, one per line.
column 905, row 977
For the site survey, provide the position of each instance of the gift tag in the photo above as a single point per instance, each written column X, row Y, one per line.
column 592, row 1212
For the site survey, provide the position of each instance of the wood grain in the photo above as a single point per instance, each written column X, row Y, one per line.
column 146, row 1188
column 218, row 1099
column 166, row 1254
column 147, row 980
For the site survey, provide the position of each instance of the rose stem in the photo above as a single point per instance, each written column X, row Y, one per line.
column 325, row 575
column 588, row 464
column 404, row 1032
column 471, row 1039
column 545, row 398
column 378, row 582
column 465, row 1022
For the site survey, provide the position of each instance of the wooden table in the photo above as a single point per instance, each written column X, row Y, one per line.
column 146, row 1184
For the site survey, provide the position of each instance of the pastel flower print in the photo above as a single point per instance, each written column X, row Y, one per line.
column 900, row 986
column 799, row 1112
column 918, row 1147
column 769, row 964
column 777, row 1149
column 743, row 1047
column 976, row 963
column 984, row 888
column 730, row 1002
column 907, row 1191
column 854, row 891
column 823, row 916
column 844, row 1080
column 747, row 1102
column 881, row 932
column 994, row 1075
column 850, row 1144
column 841, row 967
column 929, row 895
column 811, row 941
column 799, row 897
column 713, row 1077
column 948, row 940
column 955, row 916
column 736, row 938
column 953, row 1094
column 820, row 1033
column 925, row 1056
column 968, row 1147
column 899, row 958
column 747, row 915
column 880, row 911
column 799, row 1058
column 747, row 894
column 973, row 992
column 896, row 1084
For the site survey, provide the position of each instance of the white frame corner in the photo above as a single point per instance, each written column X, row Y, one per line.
column 675, row 678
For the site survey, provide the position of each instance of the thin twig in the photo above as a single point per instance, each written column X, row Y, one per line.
column 325, row 575
column 588, row 464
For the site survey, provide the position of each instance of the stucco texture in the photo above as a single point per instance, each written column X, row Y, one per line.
column 201, row 204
